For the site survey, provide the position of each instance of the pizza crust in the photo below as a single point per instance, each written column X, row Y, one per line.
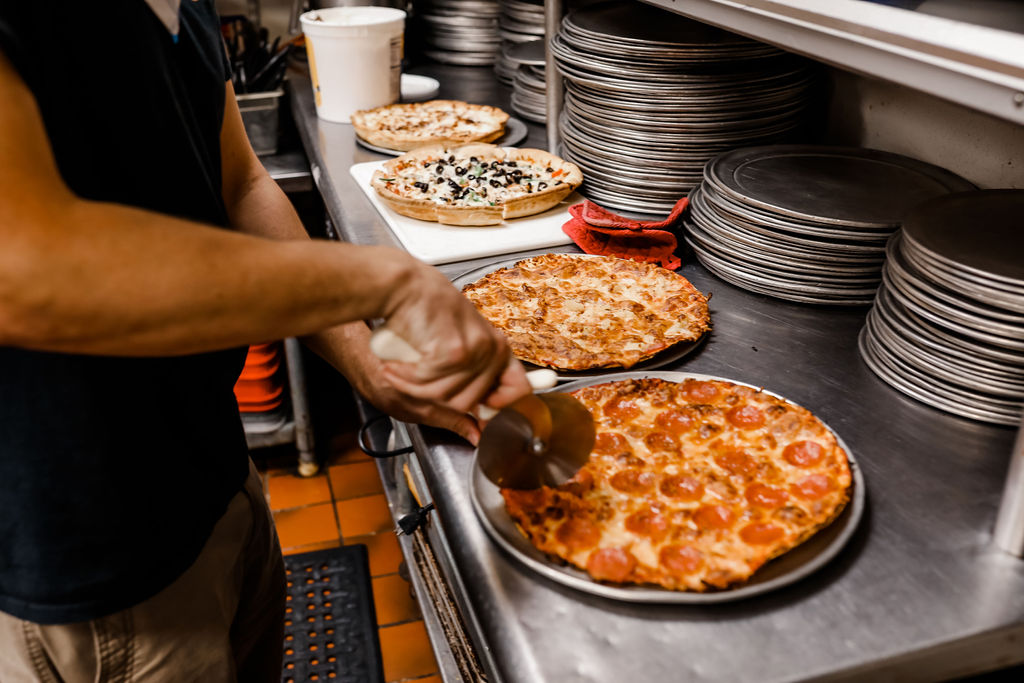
column 394, row 183
column 691, row 486
column 403, row 127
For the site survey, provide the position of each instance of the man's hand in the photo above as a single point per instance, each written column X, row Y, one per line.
column 464, row 360
column 347, row 348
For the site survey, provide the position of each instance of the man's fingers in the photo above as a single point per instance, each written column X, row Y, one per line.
column 512, row 385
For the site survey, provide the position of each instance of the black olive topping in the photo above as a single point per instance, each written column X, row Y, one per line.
column 495, row 183
column 541, row 185
column 460, row 171
column 439, row 181
column 439, row 170
column 474, row 159
column 451, row 159
column 549, row 170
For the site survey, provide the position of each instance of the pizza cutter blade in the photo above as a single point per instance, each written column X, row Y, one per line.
column 539, row 440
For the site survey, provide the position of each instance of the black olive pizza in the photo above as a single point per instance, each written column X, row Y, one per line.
column 475, row 184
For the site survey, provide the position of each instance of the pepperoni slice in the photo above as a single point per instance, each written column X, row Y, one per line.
column 662, row 441
column 579, row 533
column 633, row 481
column 698, row 391
column 681, row 559
column 647, row 523
column 674, row 421
column 530, row 499
column 764, row 496
column 611, row 564
column 681, row 487
column 736, row 462
column 746, row 417
column 760, row 533
column 813, row 487
column 611, row 443
column 622, row 408
column 581, row 482
column 713, row 517
column 804, row 453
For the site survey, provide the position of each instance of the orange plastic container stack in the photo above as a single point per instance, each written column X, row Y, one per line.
column 260, row 388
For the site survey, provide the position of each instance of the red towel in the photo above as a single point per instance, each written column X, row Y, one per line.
column 597, row 230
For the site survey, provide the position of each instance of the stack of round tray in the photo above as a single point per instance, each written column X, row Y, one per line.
column 461, row 32
column 520, row 21
column 651, row 96
column 947, row 327
column 804, row 222
column 529, row 87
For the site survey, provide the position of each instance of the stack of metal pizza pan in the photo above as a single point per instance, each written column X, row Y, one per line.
column 807, row 223
column 520, row 21
column 651, row 97
column 947, row 327
column 461, row 32
column 529, row 87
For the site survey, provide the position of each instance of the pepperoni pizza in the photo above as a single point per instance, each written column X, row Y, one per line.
column 691, row 486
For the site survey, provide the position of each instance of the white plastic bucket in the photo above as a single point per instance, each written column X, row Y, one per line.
column 355, row 58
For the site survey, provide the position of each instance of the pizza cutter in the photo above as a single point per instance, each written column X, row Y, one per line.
column 538, row 440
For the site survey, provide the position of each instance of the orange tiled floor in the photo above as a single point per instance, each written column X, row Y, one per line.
column 346, row 504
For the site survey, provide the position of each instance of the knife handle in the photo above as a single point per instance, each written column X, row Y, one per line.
column 387, row 345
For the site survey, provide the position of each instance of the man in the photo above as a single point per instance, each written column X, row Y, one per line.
column 135, row 544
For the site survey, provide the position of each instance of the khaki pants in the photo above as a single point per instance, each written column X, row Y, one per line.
column 219, row 622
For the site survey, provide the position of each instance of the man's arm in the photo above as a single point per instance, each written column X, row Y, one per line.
column 256, row 205
column 93, row 277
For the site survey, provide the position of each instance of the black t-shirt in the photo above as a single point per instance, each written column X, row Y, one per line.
column 113, row 471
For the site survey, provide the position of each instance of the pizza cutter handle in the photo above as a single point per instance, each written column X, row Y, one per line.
column 387, row 345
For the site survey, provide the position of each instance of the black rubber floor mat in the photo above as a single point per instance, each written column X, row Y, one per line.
column 330, row 631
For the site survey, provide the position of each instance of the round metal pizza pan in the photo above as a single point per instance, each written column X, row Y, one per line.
column 937, row 392
column 942, row 321
column 971, row 285
column 871, row 255
column 529, row 52
column 1000, row 333
column 515, row 132
column 901, row 269
column 977, row 232
column 775, row 265
column 754, row 245
column 981, row 358
column 874, row 361
column 774, row 289
column 782, row 281
column 727, row 205
column 844, row 185
column 671, row 355
column 796, row 246
column 966, row 374
column 460, row 58
column 792, row 566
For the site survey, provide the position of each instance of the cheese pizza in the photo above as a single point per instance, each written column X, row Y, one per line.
column 575, row 312
column 403, row 127
column 691, row 486
column 475, row 184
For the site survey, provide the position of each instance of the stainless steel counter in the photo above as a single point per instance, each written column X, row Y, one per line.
column 920, row 593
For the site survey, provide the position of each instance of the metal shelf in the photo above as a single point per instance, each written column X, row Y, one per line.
column 976, row 66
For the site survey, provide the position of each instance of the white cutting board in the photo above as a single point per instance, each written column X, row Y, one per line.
column 434, row 243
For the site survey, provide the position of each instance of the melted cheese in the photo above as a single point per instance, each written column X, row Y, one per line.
column 577, row 313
